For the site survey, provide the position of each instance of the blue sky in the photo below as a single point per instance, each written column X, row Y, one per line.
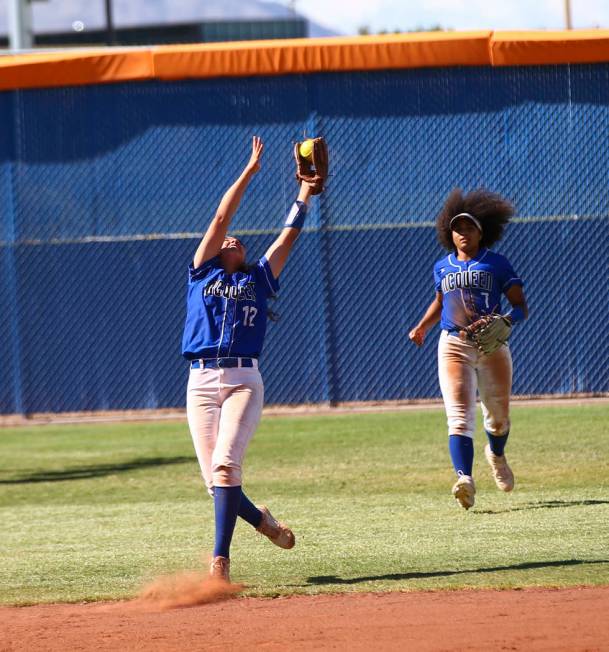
column 346, row 16
column 341, row 16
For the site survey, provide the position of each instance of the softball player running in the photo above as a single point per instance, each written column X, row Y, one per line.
column 473, row 353
column 223, row 337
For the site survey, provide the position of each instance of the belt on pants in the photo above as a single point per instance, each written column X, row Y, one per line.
column 224, row 363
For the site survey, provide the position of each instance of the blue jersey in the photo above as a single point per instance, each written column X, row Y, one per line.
column 472, row 288
column 226, row 314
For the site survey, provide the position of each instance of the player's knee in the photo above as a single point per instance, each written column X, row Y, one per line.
column 497, row 426
column 209, row 484
column 227, row 476
column 460, row 426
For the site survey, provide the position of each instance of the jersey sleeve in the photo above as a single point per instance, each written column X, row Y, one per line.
column 196, row 274
column 437, row 278
column 508, row 276
column 265, row 279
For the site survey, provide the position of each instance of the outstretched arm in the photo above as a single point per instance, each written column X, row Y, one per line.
column 216, row 231
column 430, row 318
column 277, row 254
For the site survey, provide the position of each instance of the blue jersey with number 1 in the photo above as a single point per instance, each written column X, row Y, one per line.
column 226, row 314
column 472, row 288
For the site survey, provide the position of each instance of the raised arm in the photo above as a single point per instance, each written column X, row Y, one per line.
column 216, row 231
column 277, row 254
column 430, row 318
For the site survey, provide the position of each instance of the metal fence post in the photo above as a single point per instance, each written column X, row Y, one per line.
column 11, row 265
column 313, row 128
column 20, row 25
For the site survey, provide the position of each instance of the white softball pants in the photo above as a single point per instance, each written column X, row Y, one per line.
column 223, row 408
column 463, row 369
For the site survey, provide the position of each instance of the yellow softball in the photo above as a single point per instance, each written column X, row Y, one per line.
column 306, row 149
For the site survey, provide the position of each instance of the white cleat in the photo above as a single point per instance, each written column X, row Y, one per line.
column 279, row 533
column 464, row 491
column 504, row 478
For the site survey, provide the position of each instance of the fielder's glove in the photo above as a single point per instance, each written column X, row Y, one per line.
column 313, row 170
column 489, row 332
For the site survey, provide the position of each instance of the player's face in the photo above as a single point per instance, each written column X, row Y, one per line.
column 466, row 236
column 232, row 255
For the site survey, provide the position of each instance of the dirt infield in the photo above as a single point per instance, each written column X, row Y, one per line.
column 565, row 619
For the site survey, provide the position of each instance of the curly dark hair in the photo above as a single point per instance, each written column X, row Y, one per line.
column 489, row 208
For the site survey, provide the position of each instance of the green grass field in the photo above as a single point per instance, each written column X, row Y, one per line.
column 91, row 512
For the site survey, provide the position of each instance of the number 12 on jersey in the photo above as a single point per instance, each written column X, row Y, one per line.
column 249, row 313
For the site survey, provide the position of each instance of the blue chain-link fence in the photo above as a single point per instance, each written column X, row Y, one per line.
column 105, row 190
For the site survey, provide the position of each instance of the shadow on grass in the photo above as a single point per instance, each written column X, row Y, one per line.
column 545, row 504
column 333, row 579
column 95, row 470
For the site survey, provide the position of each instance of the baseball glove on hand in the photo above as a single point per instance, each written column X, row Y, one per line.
column 314, row 169
column 489, row 332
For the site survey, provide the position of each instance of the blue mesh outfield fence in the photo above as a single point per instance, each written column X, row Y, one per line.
column 105, row 190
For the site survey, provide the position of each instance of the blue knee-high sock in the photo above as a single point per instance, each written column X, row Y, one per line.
column 226, row 504
column 249, row 512
column 496, row 443
column 461, row 453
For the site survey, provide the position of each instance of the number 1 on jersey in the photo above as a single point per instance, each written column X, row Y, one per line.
column 249, row 312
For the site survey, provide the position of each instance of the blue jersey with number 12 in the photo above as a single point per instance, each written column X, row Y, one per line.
column 226, row 314
column 472, row 288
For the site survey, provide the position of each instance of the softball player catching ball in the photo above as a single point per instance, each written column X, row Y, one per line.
column 472, row 352
column 223, row 337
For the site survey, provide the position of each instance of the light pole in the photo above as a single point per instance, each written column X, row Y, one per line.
column 110, row 32
column 20, row 25
column 567, row 8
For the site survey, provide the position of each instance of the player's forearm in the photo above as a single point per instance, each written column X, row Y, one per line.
column 216, row 232
column 278, row 253
column 519, row 312
column 232, row 197
column 305, row 193
column 520, row 309
column 432, row 315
